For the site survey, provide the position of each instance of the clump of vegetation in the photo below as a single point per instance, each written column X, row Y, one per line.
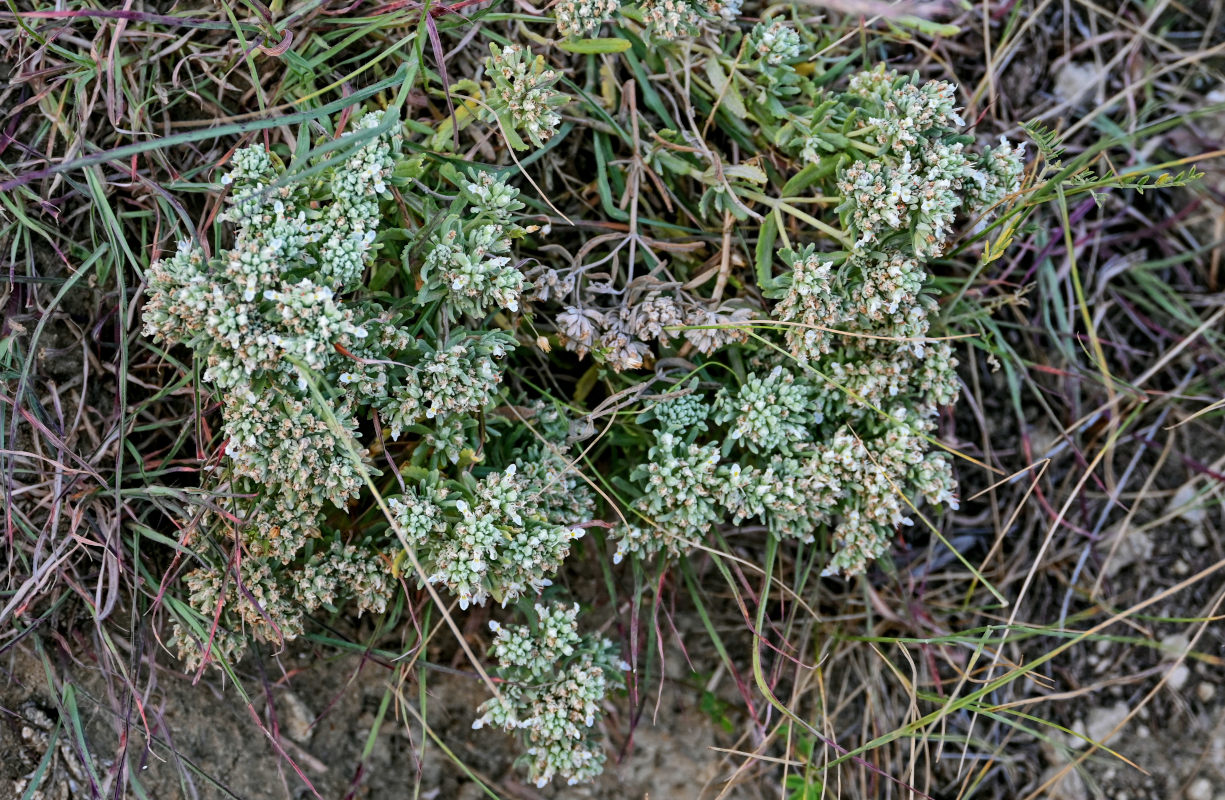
column 571, row 311
column 556, row 680
column 298, row 353
column 812, row 415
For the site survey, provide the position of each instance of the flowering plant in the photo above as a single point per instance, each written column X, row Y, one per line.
column 469, row 339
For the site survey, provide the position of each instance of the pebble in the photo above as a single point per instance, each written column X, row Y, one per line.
column 1173, row 646
column 1103, row 720
column 1188, row 503
column 1178, row 677
column 1076, row 81
column 471, row 791
column 1070, row 787
column 295, row 717
column 1077, row 742
column 1200, row 789
column 1134, row 546
column 1206, row 691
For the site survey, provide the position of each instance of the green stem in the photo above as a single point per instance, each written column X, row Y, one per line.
column 783, row 205
column 816, row 199
column 863, row 146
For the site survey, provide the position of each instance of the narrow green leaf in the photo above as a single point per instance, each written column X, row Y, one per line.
column 611, row 45
column 765, row 251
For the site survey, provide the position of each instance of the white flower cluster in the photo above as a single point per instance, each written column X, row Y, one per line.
column 773, row 50
column 422, row 512
column 551, row 421
column 863, row 325
column 243, row 310
column 768, row 412
column 473, row 266
column 267, row 316
column 278, row 523
column 760, row 491
column 682, row 486
column 687, row 490
column 244, row 318
column 369, row 366
column 935, row 377
column 523, row 97
column 467, row 258
column 864, row 379
column 553, row 639
column 915, row 197
column 643, row 541
column 889, row 284
column 687, row 487
column 813, row 305
column 263, row 603
column 199, row 647
column 908, row 196
column 666, row 20
column 271, row 605
column 486, row 538
column 671, row 19
column 448, row 438
column 1001, row 168
column 840, row 454
column 493, row 196
column 852, row 484
column 866, row 477
column 461, row 378
column 261, row 314
column 554, row 682
column 874, row 84
column 350, row 221
column 867, row 326
column 583, row 17
column 775, row 44
column 725, row 11
column 285, row 441
column 559, row 492
column 279, row 218
column 905, row 112
column 343, row 571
